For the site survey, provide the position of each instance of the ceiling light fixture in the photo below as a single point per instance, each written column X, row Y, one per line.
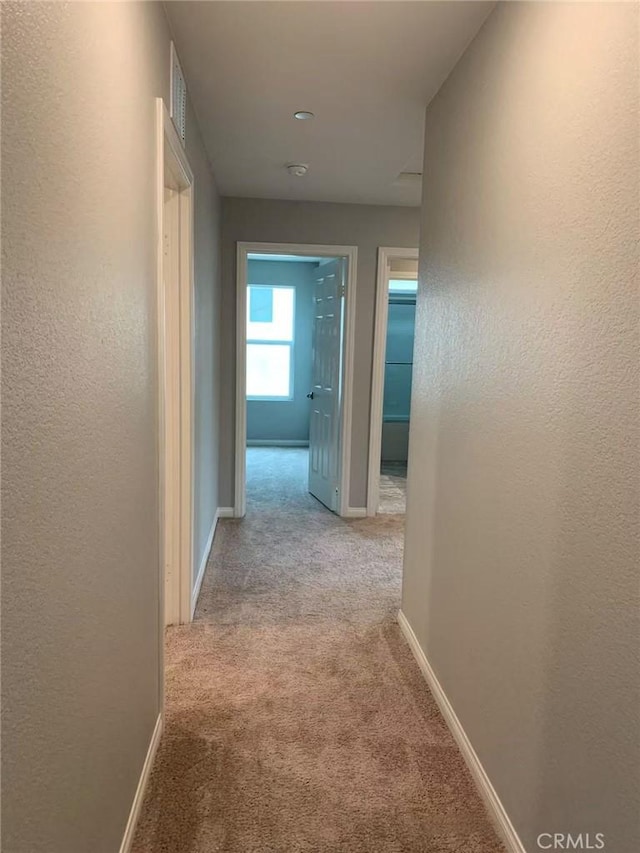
column 297, row 169
column 303, row 115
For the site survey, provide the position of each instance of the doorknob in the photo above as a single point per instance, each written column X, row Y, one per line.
column 310, row 395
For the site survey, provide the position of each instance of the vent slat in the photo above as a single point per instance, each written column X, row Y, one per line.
column 178, row 109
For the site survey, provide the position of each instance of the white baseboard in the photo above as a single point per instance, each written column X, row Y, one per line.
column 276, row 442
column 355, row 512
column 134, row 814
column 203, row 563
column 226, row 512
column 488, row 793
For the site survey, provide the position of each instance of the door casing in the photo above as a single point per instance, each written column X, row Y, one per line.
column 350, row 253
column 385, row 256
column 175, row 340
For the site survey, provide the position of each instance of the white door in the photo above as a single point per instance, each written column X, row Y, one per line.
column 324, row 431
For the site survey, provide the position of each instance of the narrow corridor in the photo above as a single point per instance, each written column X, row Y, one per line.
column 296, row 717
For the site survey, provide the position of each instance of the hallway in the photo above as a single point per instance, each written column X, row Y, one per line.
column 296, row 718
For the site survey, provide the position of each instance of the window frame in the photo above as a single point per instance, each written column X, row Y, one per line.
column 263, row 342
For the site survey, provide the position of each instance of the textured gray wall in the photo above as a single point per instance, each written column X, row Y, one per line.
column 207, row 341
column 80, row 548
column 364, row 226
column 521, row 568
column 287, row 419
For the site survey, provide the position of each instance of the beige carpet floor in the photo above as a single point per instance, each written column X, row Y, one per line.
column 297, row 720
column 393, row 488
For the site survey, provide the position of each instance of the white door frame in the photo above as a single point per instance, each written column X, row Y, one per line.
column 175, row 334
column 385, row 256
column 346, row 405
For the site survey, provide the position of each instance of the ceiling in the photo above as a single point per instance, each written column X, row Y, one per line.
column 366, row 69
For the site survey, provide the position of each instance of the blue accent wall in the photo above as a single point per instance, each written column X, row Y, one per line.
column 287, row 420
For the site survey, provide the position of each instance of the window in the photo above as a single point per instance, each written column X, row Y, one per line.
column 403, row 285
column 270, row 324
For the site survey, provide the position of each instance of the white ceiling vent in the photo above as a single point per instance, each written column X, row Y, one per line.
column 409, row 179
column 178, row 109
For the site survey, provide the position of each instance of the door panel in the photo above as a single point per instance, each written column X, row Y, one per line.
column 324, row 432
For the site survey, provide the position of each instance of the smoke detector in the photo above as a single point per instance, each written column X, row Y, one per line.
column 297, row 169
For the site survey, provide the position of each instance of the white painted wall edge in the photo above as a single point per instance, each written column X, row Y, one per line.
column 355, row 512
column 277, row 442
column 488, row 793
column 138, row 798
column 203, row 563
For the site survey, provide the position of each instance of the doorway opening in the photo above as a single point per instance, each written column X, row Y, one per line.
column 295, row 336
column 174, row 181
column 397, row 284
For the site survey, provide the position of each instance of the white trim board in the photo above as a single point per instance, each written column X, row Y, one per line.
column 277, row 442
column 203, row 562
column 225, row 512
column 355, row 512
column 136, row 806
column 385, row 256
column 175, row 335
column 243, row 249
column 496, row 810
